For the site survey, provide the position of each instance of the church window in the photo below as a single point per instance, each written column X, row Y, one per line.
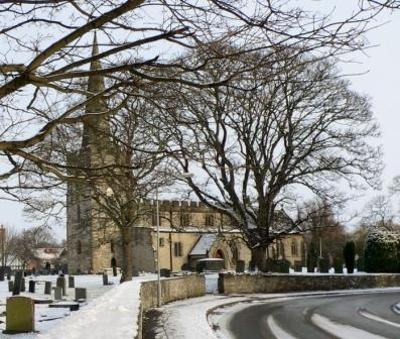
column 112, row 246
column 294, row 248
column 78, row 247
column 209, row 220
column 185, row 219
column 178, row 249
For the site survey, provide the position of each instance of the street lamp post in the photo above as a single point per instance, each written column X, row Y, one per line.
column 158, row 250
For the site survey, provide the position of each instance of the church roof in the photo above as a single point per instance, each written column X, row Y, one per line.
column 204, row 244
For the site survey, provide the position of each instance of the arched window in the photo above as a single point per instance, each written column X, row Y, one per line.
column 78, row 247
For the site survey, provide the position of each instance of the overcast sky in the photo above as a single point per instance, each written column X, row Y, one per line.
column 381, row 82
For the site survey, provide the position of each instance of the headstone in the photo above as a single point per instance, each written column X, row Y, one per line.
column 291, row 270
column 32, row 286
column 20, row 315
column 57, row 293
column 304, row 270
column 23, row 286
column 71, row 281
column 331, row 270
column 17, row 283
column 240, row 266
column 165, row 272
column 355, row 270
column 10, row 286
column 345, row 270
column 62, row 283
column 315, row 269
column 2, row 273
column 80, row 293
column 47, row 287
column 105, row 279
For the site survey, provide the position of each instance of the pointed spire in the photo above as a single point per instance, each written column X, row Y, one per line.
column 95, row 81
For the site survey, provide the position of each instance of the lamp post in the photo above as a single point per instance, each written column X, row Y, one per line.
column 185, row 175
column 158, row 249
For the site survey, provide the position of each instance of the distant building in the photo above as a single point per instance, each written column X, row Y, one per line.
column 48, row 258
column 189, row 230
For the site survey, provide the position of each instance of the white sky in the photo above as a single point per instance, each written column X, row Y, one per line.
column 381, row 83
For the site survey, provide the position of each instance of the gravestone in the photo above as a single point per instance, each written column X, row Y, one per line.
column 10, row 286
column 2, row 273
column 57, row 293
column 165, row 272
column 47, row 287
column 71, row 281
column 32, row 286
column 62, row 283
column 17, row 283
column 23, row 286
column 20, row 315
column 80, row 293
column 105, row 279
column 240, row 266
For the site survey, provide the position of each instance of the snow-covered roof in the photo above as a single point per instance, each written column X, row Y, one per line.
column 48, row 253
column 204, row 244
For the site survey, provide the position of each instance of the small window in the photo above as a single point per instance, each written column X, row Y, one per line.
column 294, row 248
column 154, row 219
column 178, row 249
column 185, row 219
column 78, row 247
column 162, row 242
column 112, row 246
column 210, row 220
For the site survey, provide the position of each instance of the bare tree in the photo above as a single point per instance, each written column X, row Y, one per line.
column 23, row 244
column 258, row 143
column 46, row 52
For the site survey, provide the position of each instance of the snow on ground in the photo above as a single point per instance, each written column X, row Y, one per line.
column 109, row 312
column 188, row 318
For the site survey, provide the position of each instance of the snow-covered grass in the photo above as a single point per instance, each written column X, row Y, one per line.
column 188, row 318
column 110, row 311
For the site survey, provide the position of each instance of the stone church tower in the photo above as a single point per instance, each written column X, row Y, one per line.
column 87, row 241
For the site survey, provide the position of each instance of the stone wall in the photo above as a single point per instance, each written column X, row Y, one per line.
column 280, row 283
column 172, row 289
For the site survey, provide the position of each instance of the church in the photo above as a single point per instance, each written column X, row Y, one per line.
column 188, row 231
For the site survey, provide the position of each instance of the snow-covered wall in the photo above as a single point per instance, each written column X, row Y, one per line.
column 281, row 283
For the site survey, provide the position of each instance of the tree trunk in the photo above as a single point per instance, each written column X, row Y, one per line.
column 259, row 258
column 127, row 267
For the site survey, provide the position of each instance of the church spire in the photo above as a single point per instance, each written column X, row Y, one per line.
column 96, row 81
column 95, row 127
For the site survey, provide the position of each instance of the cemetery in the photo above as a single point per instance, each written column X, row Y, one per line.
column 34, row 305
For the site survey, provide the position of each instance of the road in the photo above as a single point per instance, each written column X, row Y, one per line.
column 366, row 316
